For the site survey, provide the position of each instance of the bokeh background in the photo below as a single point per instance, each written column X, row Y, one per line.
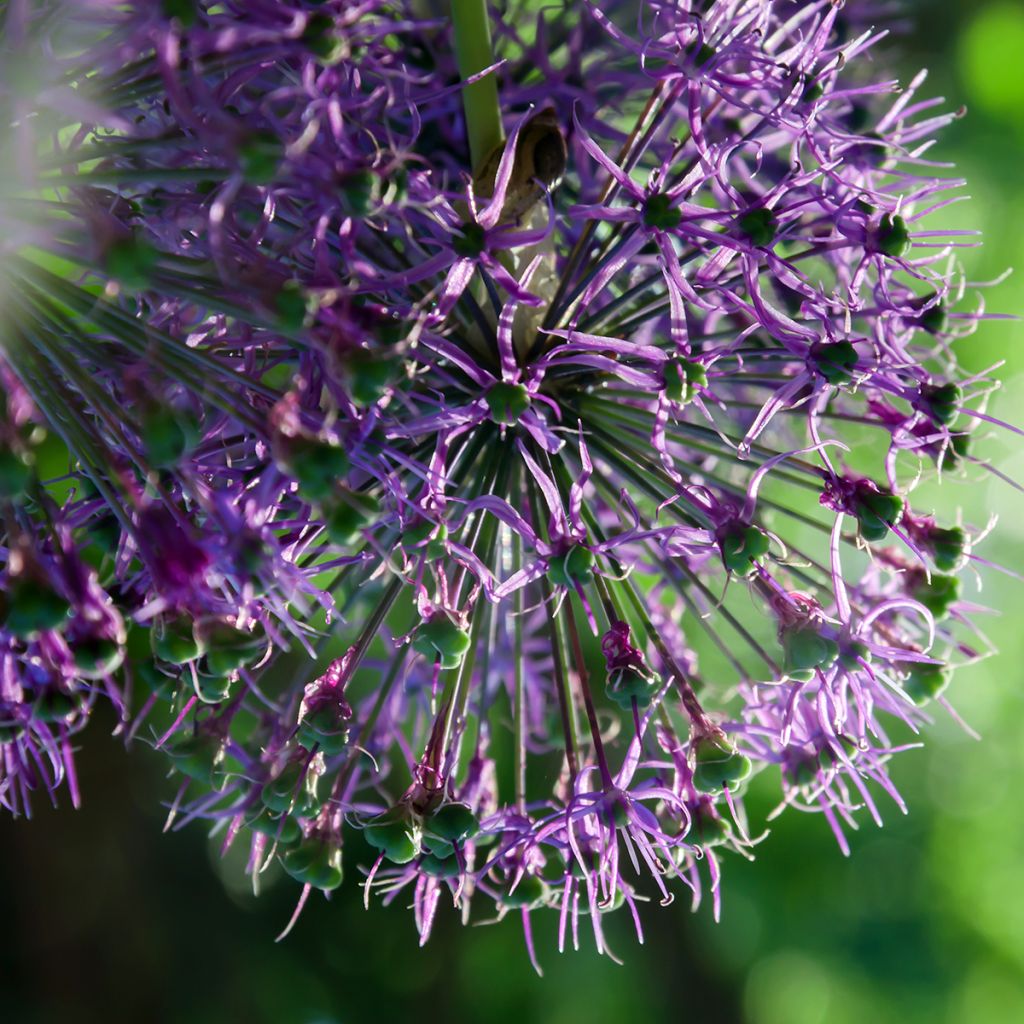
column 105, row 919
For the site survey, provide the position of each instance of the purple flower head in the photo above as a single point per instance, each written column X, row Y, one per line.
column 409, row 492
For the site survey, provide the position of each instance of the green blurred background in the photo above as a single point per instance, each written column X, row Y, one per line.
column 103, row 918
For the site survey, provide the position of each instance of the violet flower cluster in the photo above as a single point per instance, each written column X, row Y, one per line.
column 478, row 528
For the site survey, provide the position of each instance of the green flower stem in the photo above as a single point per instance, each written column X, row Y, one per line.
column 480, row 100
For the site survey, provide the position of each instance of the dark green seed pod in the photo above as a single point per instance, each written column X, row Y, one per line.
column 350, row 513
column 162, row 686
column 471, row 242
column 835, row 362
column 321, row 39
column 369, row 374
column 327, row 728
column 436, row 846
column 759, row 226
column 33, row 606
column 702, row 54
column 294, row 790
column 939, row 595
column 805, row 649
column 259, row 157
column 813, row 92
column 876, row 513
column 717, row 764
column 660, row 214
column 177, row 641
column 212, row 689
column 105, row 533
column 851, row 653
column 440, row 867
column 285, row 830
column 53, row 705
column 97, row 656
column 926, row 682
column 507, row 402
column 167, row 435
column 15, row 473
column 628, row 683
column 425, row 539
column 318, row 466
column 183, row 10
column 741, row 546
column 892, row 238
column 291, row 305
column 941, row 402
column 574, row 567
column 682, row 377
column 934, row 320
column 11, row 730
column 130, row 261
column 395, row 834
column 227, row 647
column 708, row 828
column 361, row 190
column 958, row 448
column 199, row 756
column 315, row 862
column 530, row 892
column 948, row 548
column 454, row 822
column 441, row 640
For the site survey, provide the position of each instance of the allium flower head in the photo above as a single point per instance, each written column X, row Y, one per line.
column 476, row 521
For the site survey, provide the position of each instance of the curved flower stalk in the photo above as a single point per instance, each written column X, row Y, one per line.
column 486, row 526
